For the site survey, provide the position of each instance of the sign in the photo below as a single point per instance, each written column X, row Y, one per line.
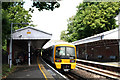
column 28, row 32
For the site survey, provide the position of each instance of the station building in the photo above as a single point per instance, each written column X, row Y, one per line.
column 103, row 47
column 26, row 43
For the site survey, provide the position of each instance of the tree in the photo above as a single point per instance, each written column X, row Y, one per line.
column 92, row 18
column 45, row 5
column 63, row 35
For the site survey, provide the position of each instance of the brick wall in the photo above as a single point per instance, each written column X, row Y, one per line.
column 106, row 50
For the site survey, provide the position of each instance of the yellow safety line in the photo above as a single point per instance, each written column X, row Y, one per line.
column 41, row 69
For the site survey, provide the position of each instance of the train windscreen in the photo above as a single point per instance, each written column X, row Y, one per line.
column 65, row 52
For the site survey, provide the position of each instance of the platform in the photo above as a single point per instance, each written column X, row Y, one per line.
column 37, row 71
column 114, row 64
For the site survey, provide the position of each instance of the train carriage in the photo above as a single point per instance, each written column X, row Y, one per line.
column 62, row 55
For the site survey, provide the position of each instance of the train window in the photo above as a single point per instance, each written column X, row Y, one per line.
column 70, row 51
column 66, row 52
column 60, row 51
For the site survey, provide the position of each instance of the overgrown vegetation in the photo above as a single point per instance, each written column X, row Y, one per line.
column 6, row 70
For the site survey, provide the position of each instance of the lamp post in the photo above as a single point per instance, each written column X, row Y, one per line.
column 10, row 55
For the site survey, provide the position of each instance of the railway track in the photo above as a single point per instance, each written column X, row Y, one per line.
column 72, row 76
column 107, row 71
column 110, row 74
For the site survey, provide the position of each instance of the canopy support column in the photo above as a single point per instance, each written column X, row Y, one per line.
column 29, row 52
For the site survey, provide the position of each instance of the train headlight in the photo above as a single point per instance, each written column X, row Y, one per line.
column 72, row 61
column 57, row 60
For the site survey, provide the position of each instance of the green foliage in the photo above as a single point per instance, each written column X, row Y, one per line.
column 92, row 18
column 6, row 70
column 17, row 14
column 45, row 5
column 63, row 36
column 5, row 26
column 4, row 47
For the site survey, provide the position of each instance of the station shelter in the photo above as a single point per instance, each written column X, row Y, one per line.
column 103, row 47
column 26, row 42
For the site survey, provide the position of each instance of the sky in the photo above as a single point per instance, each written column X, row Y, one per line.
column 54, row 21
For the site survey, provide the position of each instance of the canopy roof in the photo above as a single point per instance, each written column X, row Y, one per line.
column 30, row 33
column 37, row 37
column 108, row 35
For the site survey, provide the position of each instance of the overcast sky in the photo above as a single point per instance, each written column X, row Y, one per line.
column 54, row 21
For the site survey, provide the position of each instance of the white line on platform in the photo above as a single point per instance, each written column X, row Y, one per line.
column 56, row 70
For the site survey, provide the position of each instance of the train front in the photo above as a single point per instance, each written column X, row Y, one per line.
column 65, row 57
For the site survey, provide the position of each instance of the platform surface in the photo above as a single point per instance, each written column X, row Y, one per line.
column 36, row 71
column 114, row 64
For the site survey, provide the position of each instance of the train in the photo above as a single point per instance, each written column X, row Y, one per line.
column 62, row 55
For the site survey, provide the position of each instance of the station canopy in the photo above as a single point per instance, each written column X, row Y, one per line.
column 36, row 37
column 108, row 35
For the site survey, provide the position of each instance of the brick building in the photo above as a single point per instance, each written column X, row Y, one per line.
column 103, row 47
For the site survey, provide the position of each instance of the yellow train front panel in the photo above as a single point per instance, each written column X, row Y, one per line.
column 65, row 56
column 66, row 63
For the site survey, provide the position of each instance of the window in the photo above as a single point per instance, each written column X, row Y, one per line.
column 60, row 51
column 70, row 51
column 65, row 52
column 112, row 57
column 100, row 56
